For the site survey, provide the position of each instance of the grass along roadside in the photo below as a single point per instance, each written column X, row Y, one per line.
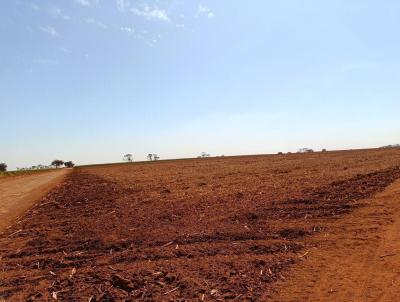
column 23, row 172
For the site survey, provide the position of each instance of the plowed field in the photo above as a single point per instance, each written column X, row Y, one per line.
column 218, row 229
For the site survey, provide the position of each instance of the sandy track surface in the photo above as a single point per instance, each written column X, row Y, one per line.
column 18, row 194
column 357, row 260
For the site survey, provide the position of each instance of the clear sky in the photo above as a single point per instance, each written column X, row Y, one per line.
column 91, row 80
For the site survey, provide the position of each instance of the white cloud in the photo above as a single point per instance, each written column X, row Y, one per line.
column 49, row 30
column 56, row 12
column 86, row 2
column 121, row 5
column 83, row 2
column 129, row 30
column 180, row 25
column 205, row 11
column 151, row 13
column 95, row 22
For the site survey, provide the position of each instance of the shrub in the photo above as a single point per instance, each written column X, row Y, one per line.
column 3, row 167
column 57, row 163
column 69, row 164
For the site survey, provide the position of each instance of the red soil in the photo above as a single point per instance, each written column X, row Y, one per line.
column 223, row 229
column 19, row 193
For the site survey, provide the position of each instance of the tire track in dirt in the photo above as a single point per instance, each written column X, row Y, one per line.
column 358, row 260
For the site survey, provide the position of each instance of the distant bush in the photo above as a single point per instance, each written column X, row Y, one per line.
column 152, row 156
column 323, row 150
column 391, row 146
column 57, row 163
column 280, row 153
column 204, row 155
column 3, row 167
column 69, row 164
column 128, row 158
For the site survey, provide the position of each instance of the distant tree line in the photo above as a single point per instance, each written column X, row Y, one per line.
column 38, row 167
column 302, row 150
column 151, row 156
column 54, row 164
column 154, row 156
column 58, row 163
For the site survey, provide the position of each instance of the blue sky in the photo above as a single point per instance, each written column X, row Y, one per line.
column 91, row 80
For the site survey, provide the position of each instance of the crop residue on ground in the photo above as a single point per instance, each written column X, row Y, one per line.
column 217, row 229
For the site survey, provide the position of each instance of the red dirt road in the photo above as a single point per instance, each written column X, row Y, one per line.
column 19, row 193
column 218, row 229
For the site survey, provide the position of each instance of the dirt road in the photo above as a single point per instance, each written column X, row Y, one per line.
column 356, row 260
column 18, row 194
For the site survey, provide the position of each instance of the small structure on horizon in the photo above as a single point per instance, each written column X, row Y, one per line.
column 305, row 150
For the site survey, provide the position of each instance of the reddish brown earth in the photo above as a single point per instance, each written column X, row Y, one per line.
column 219, row 229
column 19, row 193
column 357, row 257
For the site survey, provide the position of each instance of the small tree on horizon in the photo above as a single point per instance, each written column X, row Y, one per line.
column 150, row 157
column 69, row 164
column 128, row 157
column 57, row 163
column 204, row 155
column 3, row 167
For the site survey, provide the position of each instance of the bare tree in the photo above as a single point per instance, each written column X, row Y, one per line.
column 156, row 157
column 57, row 163
column 128, row 157
column 150, row 156
column 204, row 154
column 3, row 167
